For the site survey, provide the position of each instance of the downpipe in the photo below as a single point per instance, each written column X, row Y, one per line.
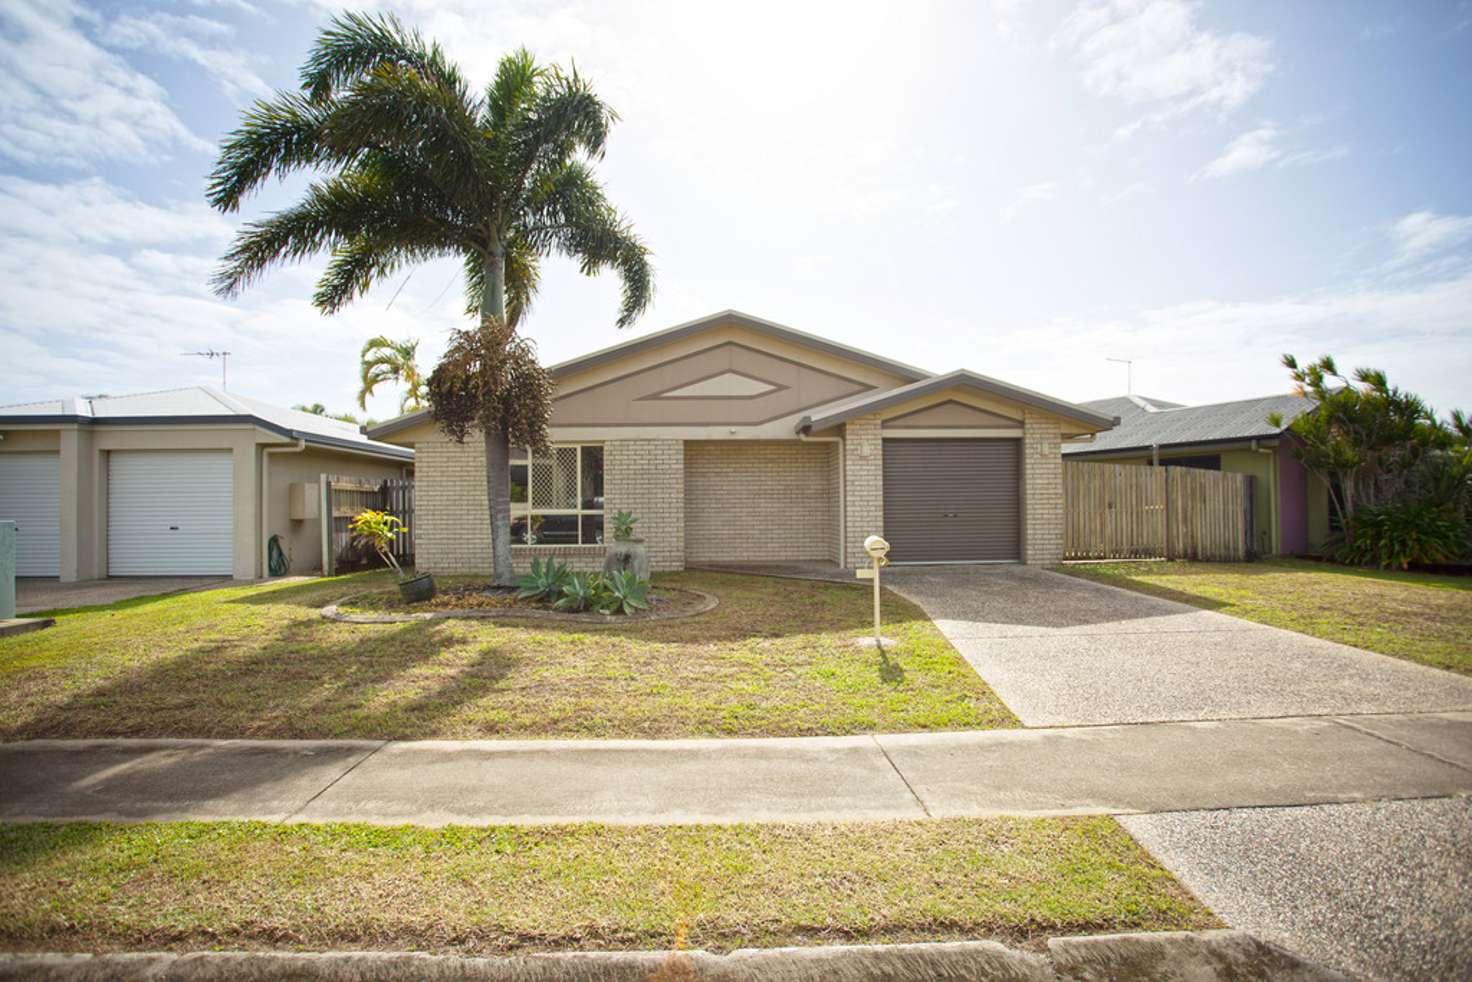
column 265, row 534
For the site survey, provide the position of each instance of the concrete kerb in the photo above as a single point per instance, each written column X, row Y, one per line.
column 705, row 604
column 1179, row 955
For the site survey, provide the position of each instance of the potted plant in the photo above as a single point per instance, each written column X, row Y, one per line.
column 378, row 530
column 626, row 553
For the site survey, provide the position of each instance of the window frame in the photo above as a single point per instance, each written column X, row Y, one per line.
column 527, row 512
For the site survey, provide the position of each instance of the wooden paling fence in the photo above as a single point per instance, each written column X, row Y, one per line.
column 1130, row 511
column 344, row 497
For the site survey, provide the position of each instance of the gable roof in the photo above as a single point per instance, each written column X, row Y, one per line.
column 736, row 317
column 198, row 404
column 1221, row 422
column 936, row 383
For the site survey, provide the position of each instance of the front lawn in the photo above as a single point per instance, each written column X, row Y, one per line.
column 1416, row 616
column 93, row 887
column 773, row 659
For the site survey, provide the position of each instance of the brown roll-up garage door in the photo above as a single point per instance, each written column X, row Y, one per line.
column 952, row 500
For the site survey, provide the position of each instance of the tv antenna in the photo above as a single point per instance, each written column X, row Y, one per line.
column 211, row 353
column 1129, row 373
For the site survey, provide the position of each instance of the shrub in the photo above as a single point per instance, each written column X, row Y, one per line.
column 378, row 530
column 544, row 582
column 1398, row 535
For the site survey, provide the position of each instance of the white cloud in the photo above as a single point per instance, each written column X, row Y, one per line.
column 1209, row 350
column 103, row 292
column 93, row 212
column 1128, row 191
column 1259, row 148
column 1423, row 235
column 1151, row 53
column 195, row 39
column 69, row 102
column 1029, row 195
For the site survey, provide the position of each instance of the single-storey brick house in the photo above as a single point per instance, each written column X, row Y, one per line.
column 738, row 440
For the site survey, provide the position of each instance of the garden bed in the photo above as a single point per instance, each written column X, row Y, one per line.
column 481, row 600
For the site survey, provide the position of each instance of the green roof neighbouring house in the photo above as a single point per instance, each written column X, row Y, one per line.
column 1290, row 505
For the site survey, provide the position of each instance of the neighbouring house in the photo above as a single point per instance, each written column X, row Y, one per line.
column 1290, row 505
column 737, row 440
column 190, row 481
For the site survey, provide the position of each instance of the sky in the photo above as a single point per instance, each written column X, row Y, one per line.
column 1023, row 189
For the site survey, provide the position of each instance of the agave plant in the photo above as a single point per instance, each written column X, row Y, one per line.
column 627, row 593
column 544, row 582
column 579, row 592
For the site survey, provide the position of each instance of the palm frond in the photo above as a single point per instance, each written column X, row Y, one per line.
column 422, row 126
column 570, row 214
column 356, row 207
column 275, row 137
column 512, row 91
column 354, row 44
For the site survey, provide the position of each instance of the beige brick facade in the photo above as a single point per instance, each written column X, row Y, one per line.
column 863, row 465
column 647, row 477
column 720, row 500
column 1042, row 490
column 760, row 501
column 452, row 530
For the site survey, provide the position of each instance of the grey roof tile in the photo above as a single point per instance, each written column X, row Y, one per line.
column 1139, row 426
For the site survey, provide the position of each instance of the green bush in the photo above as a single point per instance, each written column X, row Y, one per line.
column 1398, row 535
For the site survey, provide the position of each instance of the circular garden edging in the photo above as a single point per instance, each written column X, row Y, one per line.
column 705, row 604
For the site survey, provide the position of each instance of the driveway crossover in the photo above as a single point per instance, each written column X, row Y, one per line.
column 1061, row 651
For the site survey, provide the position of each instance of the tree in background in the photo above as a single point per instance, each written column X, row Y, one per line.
column 385, row 360
column 317, row 409
column 419, row 166
column 1399, row 478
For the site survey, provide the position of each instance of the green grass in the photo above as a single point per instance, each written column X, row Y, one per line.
column 1417, row 616
column 238, row 885
column 774, row 658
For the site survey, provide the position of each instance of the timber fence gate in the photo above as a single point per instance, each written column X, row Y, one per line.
column 344, row 497
column 1132, row 511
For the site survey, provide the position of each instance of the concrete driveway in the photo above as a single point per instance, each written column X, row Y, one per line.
column 33, row 593
column 1061, row 651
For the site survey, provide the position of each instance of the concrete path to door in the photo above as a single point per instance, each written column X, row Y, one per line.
column 33, row 593
column 1149, row 768
column 1062, row 651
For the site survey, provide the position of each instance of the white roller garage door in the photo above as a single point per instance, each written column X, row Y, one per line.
column 30, row 496
column 169, row 513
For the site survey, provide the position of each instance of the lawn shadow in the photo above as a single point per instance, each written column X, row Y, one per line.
column 890, row 672
column 294, row 683
column 314, row 593
column 1156, row 590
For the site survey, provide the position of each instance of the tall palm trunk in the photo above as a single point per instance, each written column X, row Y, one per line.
column 498, row 447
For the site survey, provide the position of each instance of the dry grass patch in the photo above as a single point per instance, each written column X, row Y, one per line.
column 505, row 889
column 774, row 659
column 1415, row 616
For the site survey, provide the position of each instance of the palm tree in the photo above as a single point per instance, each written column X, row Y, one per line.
column 384, row 360
column 414, row 165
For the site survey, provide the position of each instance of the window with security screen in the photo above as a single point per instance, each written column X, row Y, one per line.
column 557, row 495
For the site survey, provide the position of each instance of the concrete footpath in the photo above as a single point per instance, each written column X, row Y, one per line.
column 1126, row 769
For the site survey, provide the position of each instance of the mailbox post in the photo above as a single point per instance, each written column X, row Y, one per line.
column 877, row 549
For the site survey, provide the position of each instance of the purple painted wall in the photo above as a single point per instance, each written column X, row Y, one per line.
column 1292, row 503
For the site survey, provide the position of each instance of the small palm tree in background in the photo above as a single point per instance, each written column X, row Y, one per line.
column 414, row 165
column 385, row 360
